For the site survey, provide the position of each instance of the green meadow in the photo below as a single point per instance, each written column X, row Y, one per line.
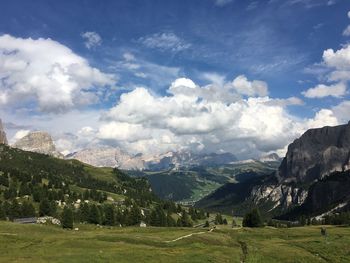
column 42, row 243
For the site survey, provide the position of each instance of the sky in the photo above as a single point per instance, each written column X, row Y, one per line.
column 239, row 76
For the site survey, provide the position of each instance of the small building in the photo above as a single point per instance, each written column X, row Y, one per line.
column 25, row 220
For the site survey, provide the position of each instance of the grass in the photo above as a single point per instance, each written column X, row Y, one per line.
column 39, row 243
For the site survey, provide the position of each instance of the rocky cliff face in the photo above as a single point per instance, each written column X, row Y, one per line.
column 3, row 139
column 312, row 178
column 316, row 154
column 38, row 141
column 109, row 157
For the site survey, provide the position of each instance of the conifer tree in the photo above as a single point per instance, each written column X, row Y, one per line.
column 67, row 218
column 94, row 215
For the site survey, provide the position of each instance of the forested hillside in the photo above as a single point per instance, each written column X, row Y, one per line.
column 33, row 184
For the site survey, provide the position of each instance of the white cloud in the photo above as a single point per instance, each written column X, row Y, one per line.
column 190, row 118
column 249, row 88
column 19, row 135
column 341, row 111
column 320, row 91
column 92, row 39
column 164, row 41
column 322, row 118
column 346, row 31
column 222, row 2
column 56, row 82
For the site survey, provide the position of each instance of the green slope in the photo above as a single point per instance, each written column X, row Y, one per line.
column 37, row 243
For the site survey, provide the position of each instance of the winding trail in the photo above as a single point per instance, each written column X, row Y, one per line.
column 189, row 235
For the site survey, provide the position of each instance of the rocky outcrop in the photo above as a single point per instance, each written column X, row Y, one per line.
column 3, row 139
column 316, row 154
column 109, row 157
column 38, row 141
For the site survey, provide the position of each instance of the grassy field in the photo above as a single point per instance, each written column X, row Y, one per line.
column 39, row 243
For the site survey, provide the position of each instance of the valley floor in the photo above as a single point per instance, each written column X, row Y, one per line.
column 40, row 243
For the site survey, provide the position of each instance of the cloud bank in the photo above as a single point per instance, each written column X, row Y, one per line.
column 201, row 118
column 54, row 83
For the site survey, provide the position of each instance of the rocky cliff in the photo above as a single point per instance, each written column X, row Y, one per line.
column 109, row 157
column 308, row 178
column 3, row 139
column 37, row 141
column 316, row 154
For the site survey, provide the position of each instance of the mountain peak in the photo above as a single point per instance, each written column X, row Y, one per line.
column 317, row 153
column 3, row 139
column 37, row 141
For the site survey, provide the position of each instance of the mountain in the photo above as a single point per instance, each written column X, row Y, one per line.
column 183, row 159
column 109, row 157
column 272, row 157
column 38, row 141
column 312, row 179
column 3, row 139
column 189, row 184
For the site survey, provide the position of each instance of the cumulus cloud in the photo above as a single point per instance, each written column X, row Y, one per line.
column 55, row 83
column 190, row 118
column 92, row 39
column 164, row 41
column 245, row 87
column 341, row 111
column 334, row 69
column 320, row 91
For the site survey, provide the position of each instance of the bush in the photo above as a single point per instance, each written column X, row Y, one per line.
column 252, row 219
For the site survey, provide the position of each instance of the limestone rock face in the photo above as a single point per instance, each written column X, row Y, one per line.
column 3, row 139
column 316, row 154
column 109, row 157
column 38, row 141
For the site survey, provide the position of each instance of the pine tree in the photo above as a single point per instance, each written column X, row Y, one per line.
column 170, row 220
column 44, row 207
column 109, row 212
column 185, row 220
column 28, row 209
column 135, row 215
column 15, row 209
column 94, row 215
column 2, row 212
column 67, row 218
column 84, row 212
column 252, row 219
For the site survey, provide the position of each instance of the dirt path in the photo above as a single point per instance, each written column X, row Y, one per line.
column 189, row 235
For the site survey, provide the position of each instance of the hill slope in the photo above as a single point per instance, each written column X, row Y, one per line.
column 33, row 184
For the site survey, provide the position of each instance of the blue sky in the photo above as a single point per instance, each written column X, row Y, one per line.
column 150, row 44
